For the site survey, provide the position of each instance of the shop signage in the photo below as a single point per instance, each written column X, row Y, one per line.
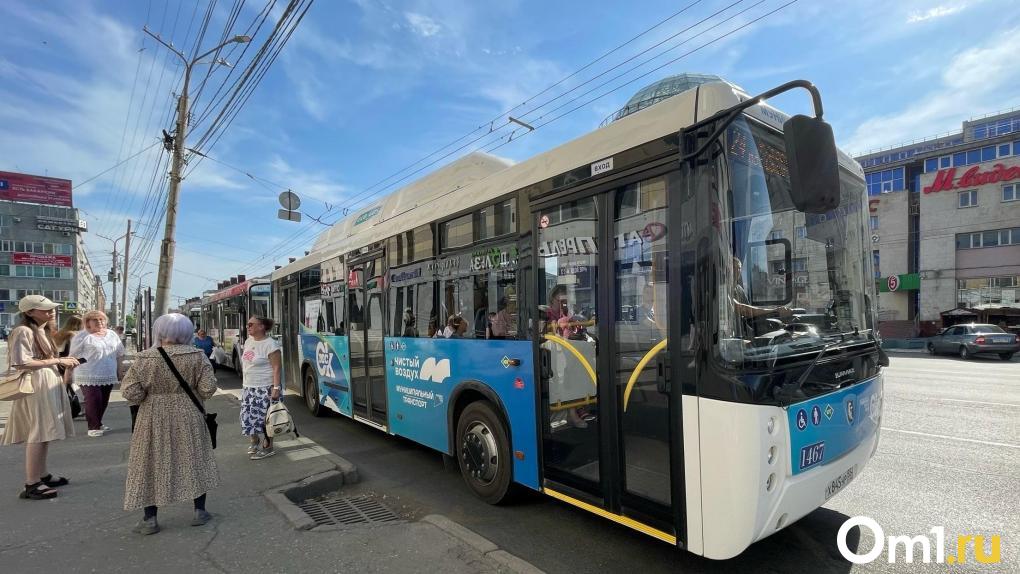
column 495, row 258
column 945, row 179
column 897, row 283
column 35, row 189
column 568, row 246
column 332, row 289
column 58, row 224
column 41, row 259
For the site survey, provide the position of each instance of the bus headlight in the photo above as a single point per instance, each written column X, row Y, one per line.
column 770, row 482
column 772, row 425
column 772, row 454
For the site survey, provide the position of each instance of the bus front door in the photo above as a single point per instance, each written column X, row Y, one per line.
column 368, row 369
column 603, row 324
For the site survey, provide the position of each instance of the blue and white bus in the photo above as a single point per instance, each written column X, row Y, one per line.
column 667, row 322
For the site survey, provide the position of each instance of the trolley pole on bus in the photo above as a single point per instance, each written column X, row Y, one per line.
column 177, row 144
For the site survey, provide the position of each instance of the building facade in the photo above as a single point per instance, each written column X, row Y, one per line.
column 945, row 223
column 41, row 249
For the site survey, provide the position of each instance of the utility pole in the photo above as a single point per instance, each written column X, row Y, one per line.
column 113, row 277
column 167, row 247
column 124, row 274
column 113, row 281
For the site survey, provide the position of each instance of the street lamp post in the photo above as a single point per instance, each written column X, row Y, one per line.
column 113, row 274
column 166, row 251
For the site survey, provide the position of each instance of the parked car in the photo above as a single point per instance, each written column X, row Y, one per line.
column 974, row 339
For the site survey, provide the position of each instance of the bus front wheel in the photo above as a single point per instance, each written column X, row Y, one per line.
column 483, row 452
column 311, row 392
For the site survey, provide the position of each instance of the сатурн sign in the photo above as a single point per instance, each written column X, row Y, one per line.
column 945, row 179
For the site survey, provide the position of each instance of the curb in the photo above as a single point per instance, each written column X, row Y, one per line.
column 483, row 545
column 286, row 497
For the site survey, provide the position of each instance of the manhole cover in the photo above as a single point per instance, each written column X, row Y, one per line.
column 347, row 510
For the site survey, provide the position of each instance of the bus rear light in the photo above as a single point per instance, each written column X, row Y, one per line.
column 772, row 455
column 770, row 483
column 772, row 425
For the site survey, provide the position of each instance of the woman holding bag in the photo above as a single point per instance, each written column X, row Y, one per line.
column 44, row 415
column 261, row 367
column 171, row 456
column 103, row 351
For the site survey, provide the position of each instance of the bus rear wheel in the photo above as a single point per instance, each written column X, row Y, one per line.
column 483, row 452
column 311, row 392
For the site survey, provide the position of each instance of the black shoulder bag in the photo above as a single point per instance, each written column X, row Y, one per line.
column 210, row 418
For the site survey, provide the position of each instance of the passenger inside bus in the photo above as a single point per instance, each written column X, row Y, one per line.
column 748, row 312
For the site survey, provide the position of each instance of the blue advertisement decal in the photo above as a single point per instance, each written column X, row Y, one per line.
column 423, row 374
column 328, row 356
column 826, row 427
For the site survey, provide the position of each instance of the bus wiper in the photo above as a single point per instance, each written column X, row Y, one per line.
column 883, row 358
column 785, row 397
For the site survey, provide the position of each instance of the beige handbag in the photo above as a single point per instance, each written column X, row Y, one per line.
column 15, row 384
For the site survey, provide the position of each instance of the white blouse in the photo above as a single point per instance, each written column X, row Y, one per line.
column 102, row 354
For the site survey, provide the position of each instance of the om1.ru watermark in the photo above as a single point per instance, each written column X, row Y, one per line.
column 964, row 542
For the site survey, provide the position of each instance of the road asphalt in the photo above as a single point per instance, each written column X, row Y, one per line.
column 85, row 529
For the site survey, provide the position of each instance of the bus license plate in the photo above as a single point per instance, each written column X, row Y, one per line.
column 840, row 481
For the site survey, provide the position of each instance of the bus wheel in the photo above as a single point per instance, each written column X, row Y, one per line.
column 311, row 391
column 483, row 452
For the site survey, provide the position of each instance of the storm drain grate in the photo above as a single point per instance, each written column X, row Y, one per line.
column 347, row 510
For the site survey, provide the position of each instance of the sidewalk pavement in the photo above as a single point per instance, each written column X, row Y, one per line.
column 85, row 529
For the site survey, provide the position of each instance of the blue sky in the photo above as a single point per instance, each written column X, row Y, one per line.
column 365, row 88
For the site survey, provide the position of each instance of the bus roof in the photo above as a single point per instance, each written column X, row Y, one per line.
column 478, row 178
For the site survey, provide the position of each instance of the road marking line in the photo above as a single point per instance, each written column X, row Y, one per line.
column 981, row 402
column 1016, row 446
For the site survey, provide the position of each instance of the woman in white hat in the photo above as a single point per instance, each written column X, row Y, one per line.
column 45, row 415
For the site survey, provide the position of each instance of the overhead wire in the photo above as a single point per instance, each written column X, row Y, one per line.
column 493, row 139
column 552, row 86
column 296, row 236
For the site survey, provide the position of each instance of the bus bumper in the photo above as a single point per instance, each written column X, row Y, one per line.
column 751, row 481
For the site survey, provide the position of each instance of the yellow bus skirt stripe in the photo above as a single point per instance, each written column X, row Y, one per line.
column 629, row 522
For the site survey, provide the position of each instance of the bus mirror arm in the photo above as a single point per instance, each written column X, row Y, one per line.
column 728, row 115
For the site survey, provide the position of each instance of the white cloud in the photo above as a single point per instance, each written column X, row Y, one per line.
column 974, row 82
column 422, row 25
column 308, row 186
column 933, row 13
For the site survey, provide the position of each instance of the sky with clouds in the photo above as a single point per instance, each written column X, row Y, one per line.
column 365, row 88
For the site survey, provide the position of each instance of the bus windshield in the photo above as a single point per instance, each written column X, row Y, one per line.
column 790, row 282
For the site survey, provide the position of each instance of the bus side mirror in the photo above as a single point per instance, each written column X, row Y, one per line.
column 814, row 169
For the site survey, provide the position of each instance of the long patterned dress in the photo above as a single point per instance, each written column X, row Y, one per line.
column 171, row 456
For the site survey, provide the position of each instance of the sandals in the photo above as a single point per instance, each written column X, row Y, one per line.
column 37, row 491
column 48, row 480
